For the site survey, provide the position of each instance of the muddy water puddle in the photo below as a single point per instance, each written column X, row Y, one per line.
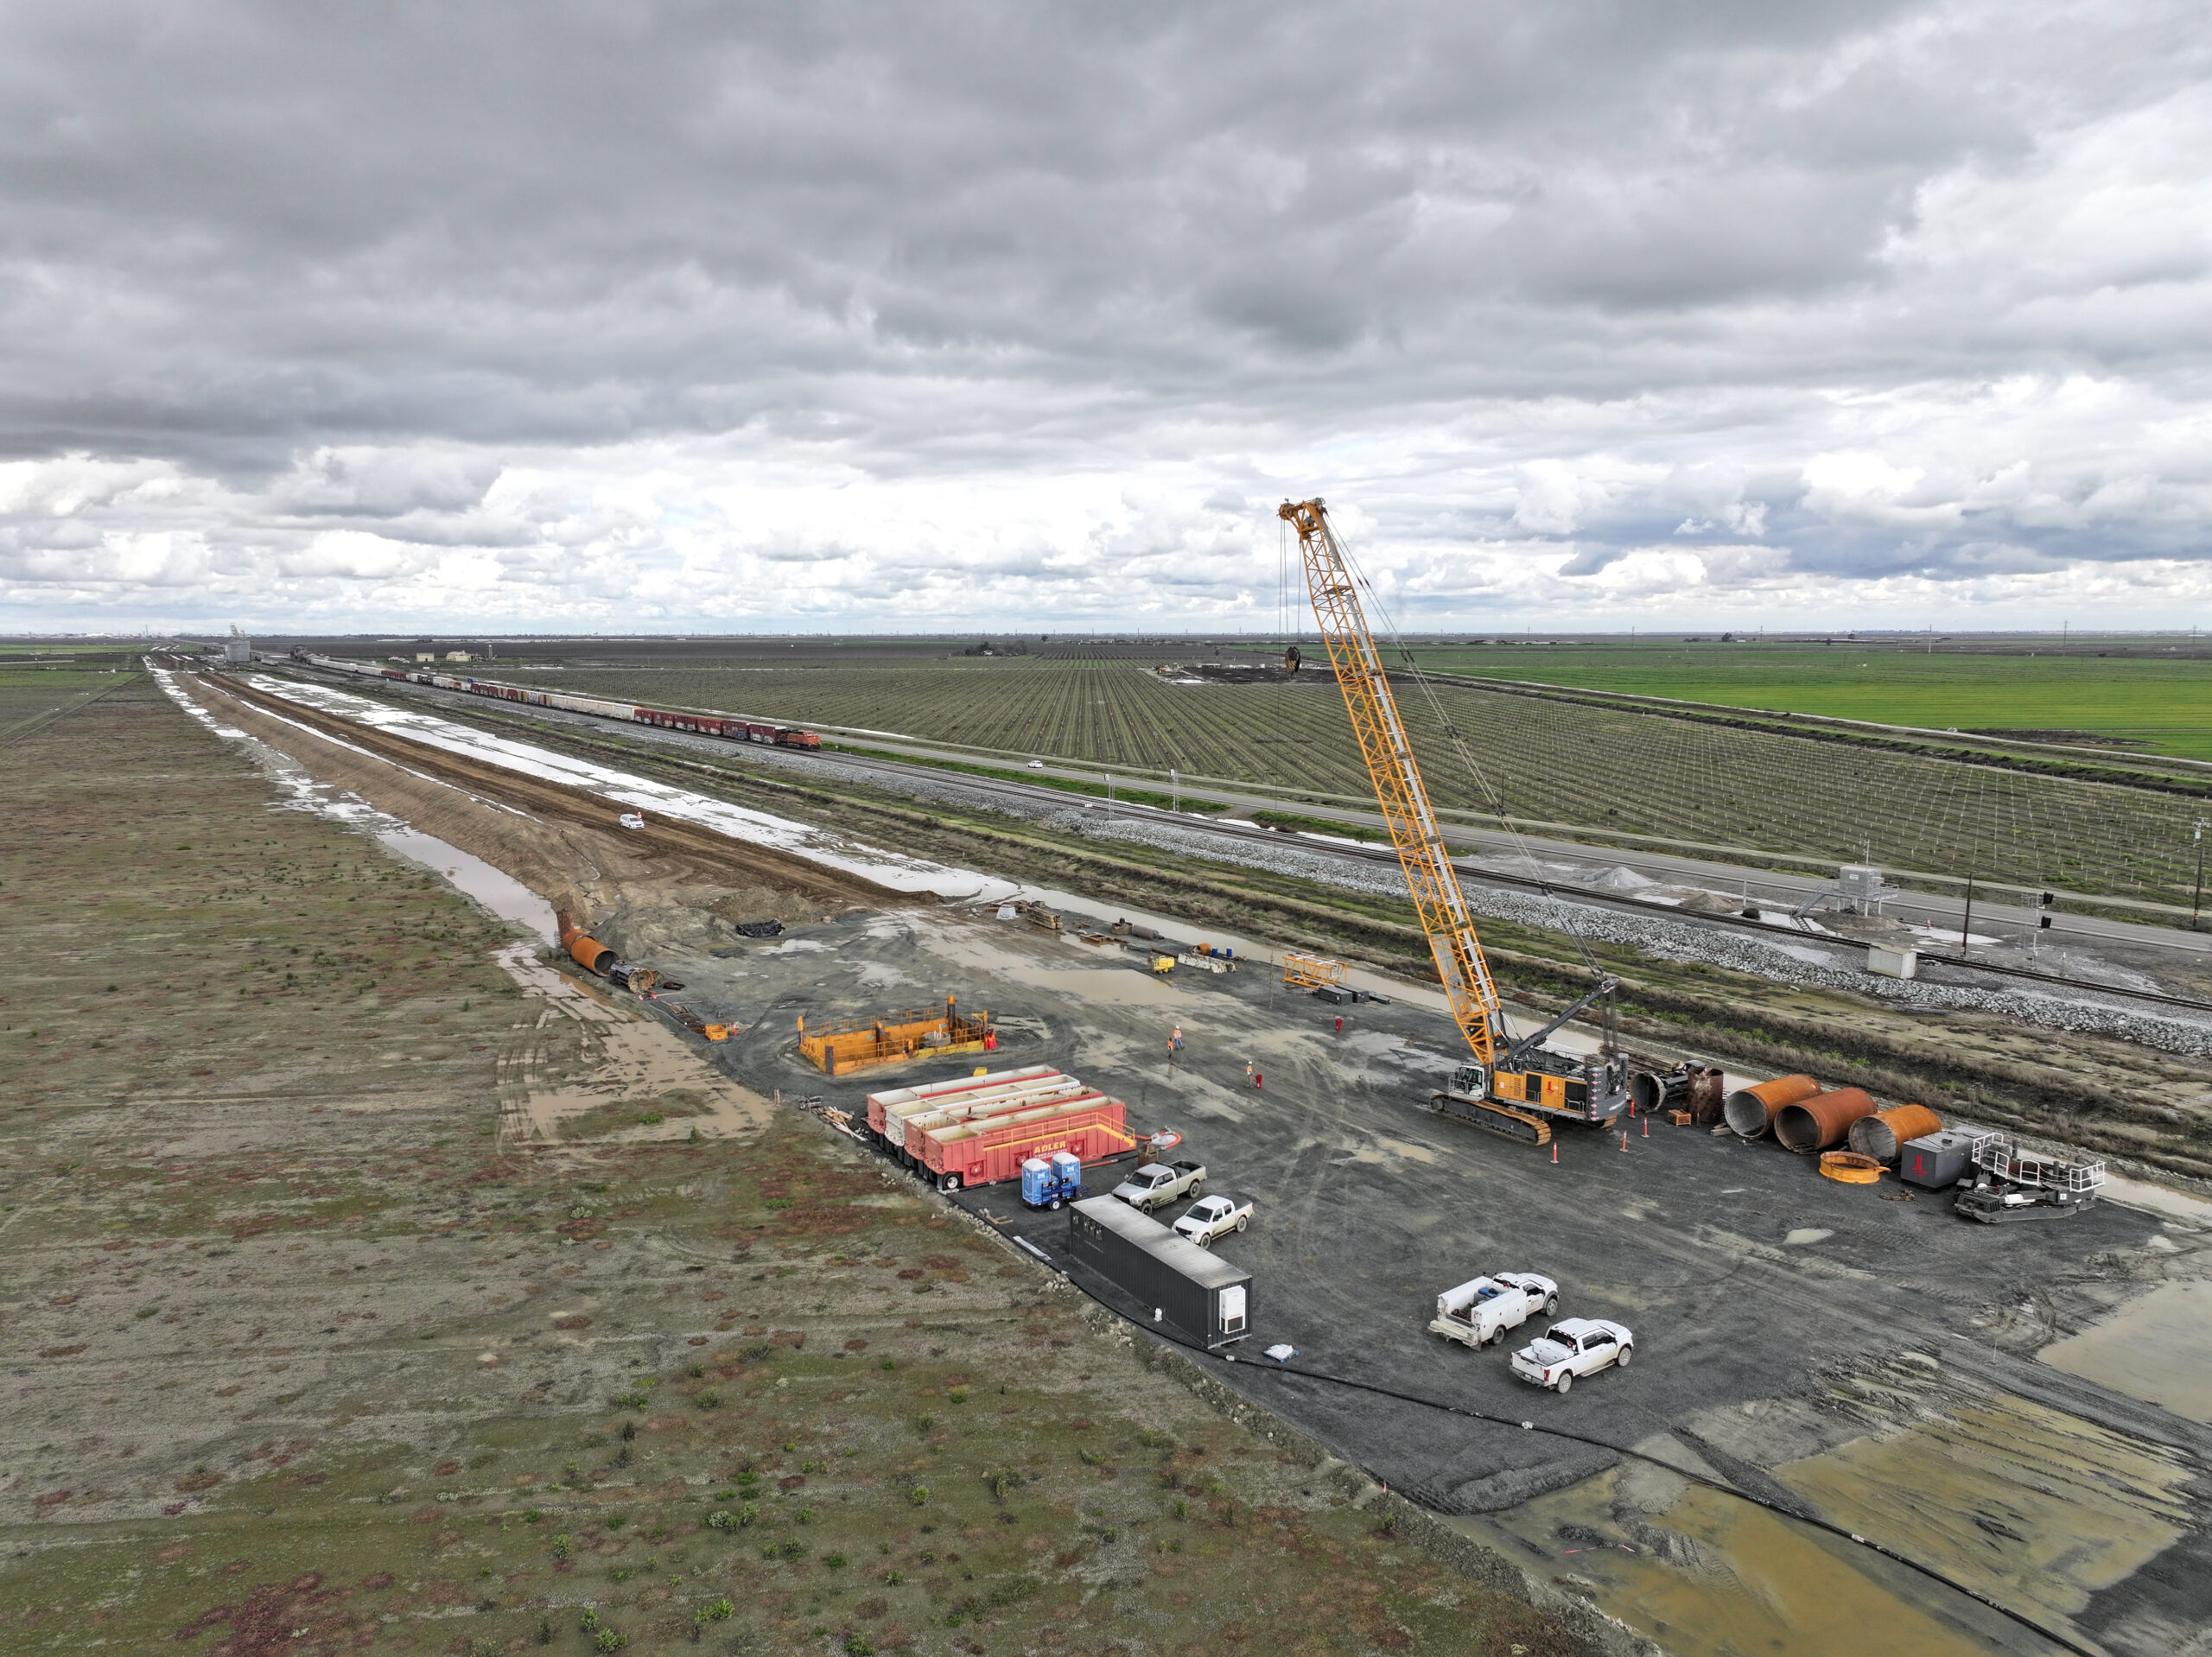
column 493, row 888
column 2158, row 1347
column 1754, row 1583
column 2035, row 1508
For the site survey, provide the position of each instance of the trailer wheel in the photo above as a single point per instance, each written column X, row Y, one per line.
column 949, row 1183
column 1056, row 1202
column 1565, row 1383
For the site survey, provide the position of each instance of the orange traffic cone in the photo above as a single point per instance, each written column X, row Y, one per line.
column 1554, row 1153
column 1624, row 1138
column 1646, row 1127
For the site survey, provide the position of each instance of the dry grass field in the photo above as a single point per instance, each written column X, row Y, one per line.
column 307, row 1357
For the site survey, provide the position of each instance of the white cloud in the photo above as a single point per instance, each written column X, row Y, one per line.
column 838, row 317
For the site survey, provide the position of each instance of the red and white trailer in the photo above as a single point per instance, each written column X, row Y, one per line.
column 983, row 1152
column 899, row 1102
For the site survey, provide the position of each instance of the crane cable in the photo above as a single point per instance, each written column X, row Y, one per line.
column 1489, row 796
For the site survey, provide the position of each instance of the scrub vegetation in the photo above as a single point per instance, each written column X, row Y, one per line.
column 308, row 1360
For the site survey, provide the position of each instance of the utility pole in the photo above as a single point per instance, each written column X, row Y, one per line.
column 1174, row 791
column 1966, row 926
column 2196, row 901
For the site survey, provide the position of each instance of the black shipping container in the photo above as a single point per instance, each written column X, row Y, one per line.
column 1183, row 1288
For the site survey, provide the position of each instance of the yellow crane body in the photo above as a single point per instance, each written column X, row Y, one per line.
column 1516, row 1088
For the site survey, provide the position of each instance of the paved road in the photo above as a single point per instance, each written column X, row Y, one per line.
column 1996, row 913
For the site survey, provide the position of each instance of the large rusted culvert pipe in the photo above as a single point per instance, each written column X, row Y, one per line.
column 1750, row 1111
column 587, row 953
column 1883, row 1135
column 1822, row 1121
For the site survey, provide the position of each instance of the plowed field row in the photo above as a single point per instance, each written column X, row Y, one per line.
column 1601, row 768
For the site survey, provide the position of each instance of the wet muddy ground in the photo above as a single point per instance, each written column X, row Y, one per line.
column 1863, row 1353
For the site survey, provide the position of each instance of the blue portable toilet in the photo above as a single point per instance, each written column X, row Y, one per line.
column 1067, row 1173
column 1046, row 1185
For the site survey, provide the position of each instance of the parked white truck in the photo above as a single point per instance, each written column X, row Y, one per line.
column 1481, row 1310
column 1158, row 1183
column 1573, row 1347
column 1215, row 1217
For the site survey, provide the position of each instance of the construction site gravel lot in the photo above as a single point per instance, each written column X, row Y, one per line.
column 318, row 1343
column 1857, row 1354
column 2073, row 1066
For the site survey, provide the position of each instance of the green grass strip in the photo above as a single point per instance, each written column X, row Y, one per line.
column 1065, row 784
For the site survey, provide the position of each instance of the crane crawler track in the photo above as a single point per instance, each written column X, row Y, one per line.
column 1516, row 1125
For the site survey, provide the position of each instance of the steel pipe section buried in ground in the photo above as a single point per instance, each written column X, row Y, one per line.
column 1821, row 1122
column 1750, row 1111
column 1883, row 1136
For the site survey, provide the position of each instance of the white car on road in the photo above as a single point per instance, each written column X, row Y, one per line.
column 1572, row 1347
column 1481, row 1310
column 1214, row 1216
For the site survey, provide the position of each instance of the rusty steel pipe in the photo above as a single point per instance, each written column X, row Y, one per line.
column 1750, row 1111
column 1821, row 1123
column 587, row 953
column 1883, row 1135
column 1706, row 1090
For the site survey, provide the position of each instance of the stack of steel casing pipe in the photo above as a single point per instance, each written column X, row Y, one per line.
column 1654, row 1091
column 1883, row 1136
column 1821, row 1122
column 1750, row 1111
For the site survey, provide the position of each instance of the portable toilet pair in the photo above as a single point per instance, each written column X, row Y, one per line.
column 1047, row 1184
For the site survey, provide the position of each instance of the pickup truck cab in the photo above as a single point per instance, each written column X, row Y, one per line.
column 1480, row 1311
column 1572, row 1347
column 1158, row 1183
column 1214, row 1216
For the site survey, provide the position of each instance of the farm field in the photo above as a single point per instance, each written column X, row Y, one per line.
column 2161, row 702
column 1598, row 771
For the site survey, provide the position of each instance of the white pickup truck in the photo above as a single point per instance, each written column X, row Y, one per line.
column 1572, row 1347
column 1158, row 1183
column 1214, row 1216
column 1481, row 1310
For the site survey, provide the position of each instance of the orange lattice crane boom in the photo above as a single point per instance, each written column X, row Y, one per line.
column 1398, row 787
column 1516, row 1087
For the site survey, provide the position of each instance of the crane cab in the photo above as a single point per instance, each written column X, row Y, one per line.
column 1563, row 1087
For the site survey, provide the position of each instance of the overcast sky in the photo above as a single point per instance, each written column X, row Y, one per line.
column 615, row 315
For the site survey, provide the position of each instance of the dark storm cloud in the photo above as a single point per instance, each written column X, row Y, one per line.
column 339, row 265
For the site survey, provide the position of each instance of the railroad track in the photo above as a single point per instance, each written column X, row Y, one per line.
column 1032, row 795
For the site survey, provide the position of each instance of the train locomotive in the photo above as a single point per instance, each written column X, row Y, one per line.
column 734, row 730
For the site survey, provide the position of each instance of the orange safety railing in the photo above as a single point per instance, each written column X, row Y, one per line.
column 1311, row 972
column 841, row 1047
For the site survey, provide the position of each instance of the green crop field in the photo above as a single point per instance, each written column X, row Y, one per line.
column 2160, row 702
column 1600, row 771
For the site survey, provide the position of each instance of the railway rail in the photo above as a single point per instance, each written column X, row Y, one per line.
column 1344, row 851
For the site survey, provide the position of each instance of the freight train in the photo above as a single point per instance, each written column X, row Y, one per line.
column 736, row 730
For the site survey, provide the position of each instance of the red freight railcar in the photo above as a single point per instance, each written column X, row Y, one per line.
column 983, row 1153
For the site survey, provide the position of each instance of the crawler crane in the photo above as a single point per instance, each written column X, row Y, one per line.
column 1516, row 1087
